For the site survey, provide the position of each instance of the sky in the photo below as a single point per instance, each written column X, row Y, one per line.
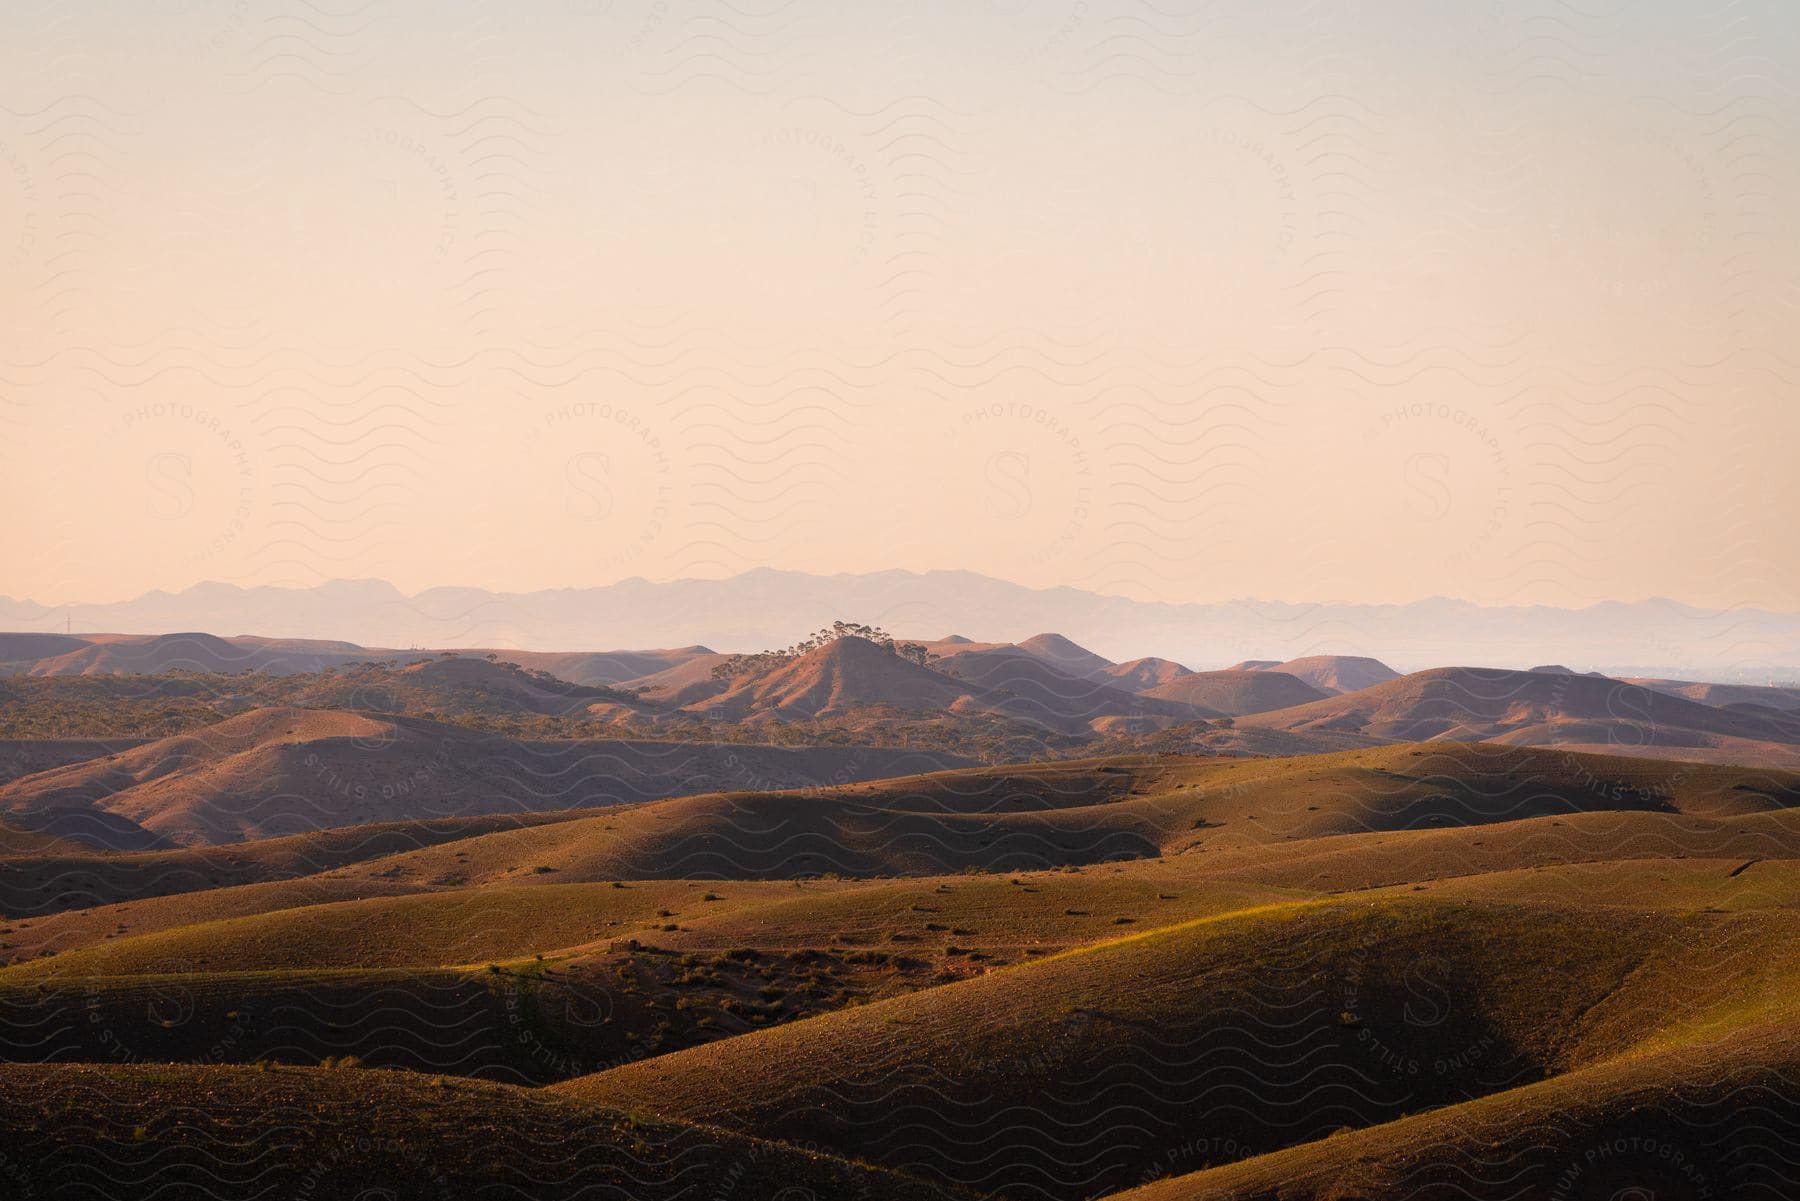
column 1343, row 301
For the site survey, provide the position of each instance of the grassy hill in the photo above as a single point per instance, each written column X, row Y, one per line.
column 100, row 1130
column 56, row 875
column 1265, row 1029
column 1007, row 819
column 279, row 771
column 1545, row 708
column 1058, row 980
column 1718, row 1118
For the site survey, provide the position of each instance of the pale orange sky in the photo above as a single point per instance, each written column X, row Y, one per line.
column 1495, row 304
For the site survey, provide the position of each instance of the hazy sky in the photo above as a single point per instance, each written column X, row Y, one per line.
column 1184, row 301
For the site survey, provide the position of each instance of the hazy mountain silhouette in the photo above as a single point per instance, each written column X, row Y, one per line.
column 1655, row 638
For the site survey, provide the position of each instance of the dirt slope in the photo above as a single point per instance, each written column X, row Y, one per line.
column 1091, row 811
column 1262, row 1030
column 1239, row 692
column 1141, row 675
column 1069, row 658
column 24, row 756
column 1337, row 673
column 229, row 1133
column 1722, row 695
column 1532, row 709
column 1054, row 697
column 280, row 771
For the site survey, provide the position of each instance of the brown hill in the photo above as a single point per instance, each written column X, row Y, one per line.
column 504, row 683
column 1541, row 957
column 852, row 676
column 33, row 845
column 23, row 756
column 1238, row 692
column 69, row 875
column 232, row 1133
column 1721, row 695
column 681, row 684
column 19, row 652
column 1338, row 673
column 1525, row 708
column 54, row 654
column 1037, row 816
column 204, row 653
column 1675, row 1123
column 835, row 680
column 1037, row 689
column 1141, row 675
column 1069, row 658
column 284, row 771
column 1329, row 822
column 599, row 668
column 1046, row 815
column 1076, row 1074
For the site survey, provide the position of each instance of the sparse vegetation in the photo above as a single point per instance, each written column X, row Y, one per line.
column 738, row 665
column 1072, row 905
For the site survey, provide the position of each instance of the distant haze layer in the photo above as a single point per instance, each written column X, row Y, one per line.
column 762, row 609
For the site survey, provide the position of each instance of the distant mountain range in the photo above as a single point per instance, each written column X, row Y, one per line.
column 283, row 737
column 767, row 608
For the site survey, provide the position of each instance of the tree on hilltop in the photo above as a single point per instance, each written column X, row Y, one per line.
column 837, row 631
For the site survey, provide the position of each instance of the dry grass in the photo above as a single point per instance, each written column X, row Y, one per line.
column 346, row 1132
column 1023, row 981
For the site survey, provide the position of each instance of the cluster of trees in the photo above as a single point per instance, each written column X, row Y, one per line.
column 739, row 665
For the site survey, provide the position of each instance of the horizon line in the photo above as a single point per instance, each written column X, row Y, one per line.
column 907, row 571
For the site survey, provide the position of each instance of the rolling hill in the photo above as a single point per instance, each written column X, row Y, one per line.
column 1089, row 812
column 106, row 1130
column 1335, row 673
column 24, row 756
column 1052, row 696
column 1640, row 1127
column 599, row 668
column 1722, row 695
column 40, row 875
column 20, row 651
column 1141, row 675
column 764, row 606
column 1323, row 824
column 124, row 654
column 1045, row 981
column 1260, row 1030
column 836, row 680
column 852, row 676
column 1068, row 658
column 1238, row 692
column 1541, row 709
column 284, row 771
column 196, row 652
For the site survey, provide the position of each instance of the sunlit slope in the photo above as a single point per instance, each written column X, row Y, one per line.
column 64, row 876
column 277, row 771
column 1089, row 811
column 1073, row 1075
